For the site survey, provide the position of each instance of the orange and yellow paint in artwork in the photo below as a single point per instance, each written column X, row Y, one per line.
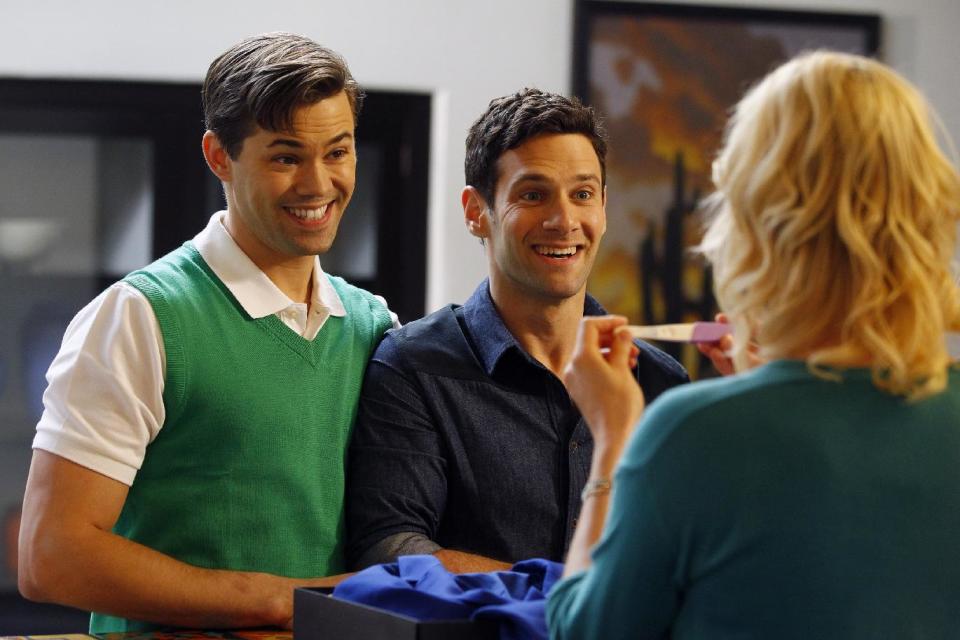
column 665, row 95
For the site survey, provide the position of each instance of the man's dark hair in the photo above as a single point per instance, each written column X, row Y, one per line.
column 264, row 78
column 511, row 120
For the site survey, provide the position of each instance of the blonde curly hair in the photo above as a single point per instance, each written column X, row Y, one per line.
column 835, row 224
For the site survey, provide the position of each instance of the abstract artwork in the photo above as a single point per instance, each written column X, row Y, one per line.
column 664, row 77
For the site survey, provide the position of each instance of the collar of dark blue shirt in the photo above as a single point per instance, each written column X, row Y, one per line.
column 491, row 337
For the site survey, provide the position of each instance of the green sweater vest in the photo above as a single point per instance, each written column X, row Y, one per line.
column 247, row 472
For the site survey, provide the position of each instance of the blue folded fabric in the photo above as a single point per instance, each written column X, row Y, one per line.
column 421, row 588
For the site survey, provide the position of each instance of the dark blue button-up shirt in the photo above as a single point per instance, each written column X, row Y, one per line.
column 465, row 440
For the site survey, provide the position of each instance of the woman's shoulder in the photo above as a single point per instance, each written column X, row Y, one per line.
column 731, row 391
column 709, row 411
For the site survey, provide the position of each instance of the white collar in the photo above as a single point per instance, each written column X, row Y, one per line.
column 255, row 292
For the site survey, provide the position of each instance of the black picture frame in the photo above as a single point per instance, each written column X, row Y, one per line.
column 663, row 78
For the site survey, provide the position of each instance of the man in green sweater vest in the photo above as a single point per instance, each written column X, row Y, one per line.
column 188, row 469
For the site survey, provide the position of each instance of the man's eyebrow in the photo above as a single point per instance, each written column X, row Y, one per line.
column 296, row 144
column 539, row 177
column 531, row 177
column 286, row 142
column 587, row 177
column 346, row 135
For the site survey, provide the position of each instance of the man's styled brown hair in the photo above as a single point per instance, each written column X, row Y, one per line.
column 511, row 120
column 261, row 80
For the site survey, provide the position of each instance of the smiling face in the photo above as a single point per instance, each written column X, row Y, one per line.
column 544, row 227
column 287, row 190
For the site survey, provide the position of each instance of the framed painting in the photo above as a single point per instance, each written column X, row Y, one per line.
column 664, row 77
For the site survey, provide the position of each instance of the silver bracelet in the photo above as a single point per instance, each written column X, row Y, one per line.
column 596, row 487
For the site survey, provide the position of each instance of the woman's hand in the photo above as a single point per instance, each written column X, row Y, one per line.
column 600, row 381
column 719, row 352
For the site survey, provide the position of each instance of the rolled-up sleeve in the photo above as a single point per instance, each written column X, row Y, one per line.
column 104, row 400
column 397, row 481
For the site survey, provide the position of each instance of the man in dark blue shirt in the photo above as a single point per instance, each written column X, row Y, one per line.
column 467, row 445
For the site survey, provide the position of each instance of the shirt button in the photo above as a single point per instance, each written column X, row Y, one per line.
column 574, row 445
column 575, row 521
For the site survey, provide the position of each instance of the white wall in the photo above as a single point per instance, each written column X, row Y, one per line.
column 464, row 51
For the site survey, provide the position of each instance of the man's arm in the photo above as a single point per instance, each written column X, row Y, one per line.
column 102, row 408
column 406, row 544
column 461, row 562
column 397, row 472
column 69, row 555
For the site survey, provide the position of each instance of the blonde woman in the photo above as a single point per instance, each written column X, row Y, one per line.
column 816, row 495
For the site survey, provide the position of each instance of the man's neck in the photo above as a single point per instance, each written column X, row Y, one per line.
column 292, row 274
column 545, row 328
column 294, row 277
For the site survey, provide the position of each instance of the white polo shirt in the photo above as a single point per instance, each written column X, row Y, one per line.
column 104, row 400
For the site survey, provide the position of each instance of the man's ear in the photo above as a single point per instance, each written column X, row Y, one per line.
column 216, row 156
column 603, row 206
column 475, row 212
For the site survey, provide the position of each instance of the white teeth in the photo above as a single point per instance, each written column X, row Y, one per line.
column 309, row 214
column 556, row 252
